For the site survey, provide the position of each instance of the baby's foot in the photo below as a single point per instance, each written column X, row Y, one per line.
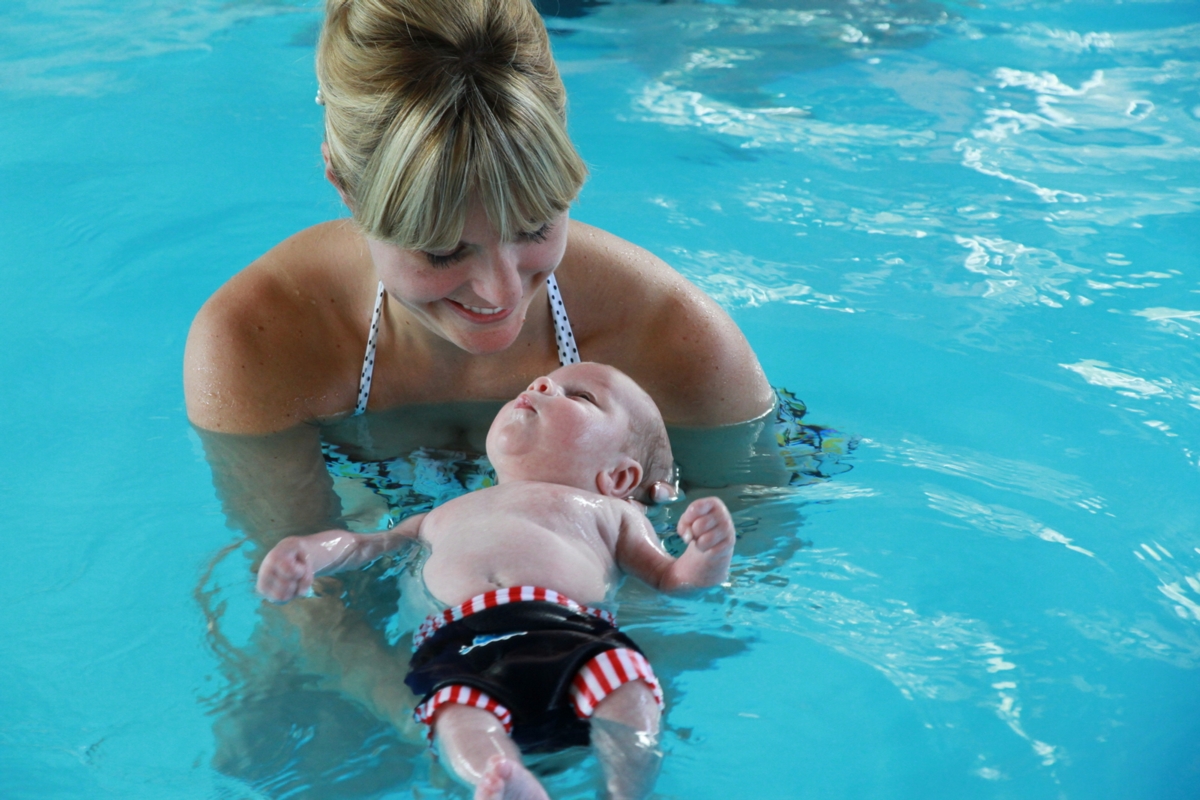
column 508, row 780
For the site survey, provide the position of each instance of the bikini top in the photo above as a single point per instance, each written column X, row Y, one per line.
column 568, row 352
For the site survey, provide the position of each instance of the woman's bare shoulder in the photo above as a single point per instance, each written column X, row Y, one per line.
column 632, row 310
column 270, row 347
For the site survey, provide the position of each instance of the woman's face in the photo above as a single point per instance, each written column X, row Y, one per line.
column 475, row 296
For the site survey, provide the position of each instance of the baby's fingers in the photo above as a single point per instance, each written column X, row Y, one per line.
column 716, row 537
column 698, row 508
column 707, row 523
column 281, row 591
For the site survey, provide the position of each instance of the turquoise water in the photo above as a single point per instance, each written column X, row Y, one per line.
column 962, row 233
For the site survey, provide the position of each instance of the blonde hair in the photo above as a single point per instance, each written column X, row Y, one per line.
column 431, row 102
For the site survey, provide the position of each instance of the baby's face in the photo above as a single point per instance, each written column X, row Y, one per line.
column 566, row 427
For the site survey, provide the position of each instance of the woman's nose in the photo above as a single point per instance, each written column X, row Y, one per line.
column 498, row 279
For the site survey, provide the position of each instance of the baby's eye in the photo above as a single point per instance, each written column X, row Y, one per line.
column 588, row 396
column 535, row 236
column 445, row 260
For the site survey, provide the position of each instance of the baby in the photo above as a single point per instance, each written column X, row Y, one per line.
column 524, row 660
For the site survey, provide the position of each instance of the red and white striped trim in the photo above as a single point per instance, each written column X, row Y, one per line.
column 605, row 673
column 463, row 695
column 499, row 597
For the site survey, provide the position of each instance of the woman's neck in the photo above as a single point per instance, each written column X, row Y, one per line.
column 416, row 364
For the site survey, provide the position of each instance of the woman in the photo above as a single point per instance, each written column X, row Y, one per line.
column 445, row 135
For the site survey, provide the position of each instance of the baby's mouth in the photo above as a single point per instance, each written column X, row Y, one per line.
column 522, row 402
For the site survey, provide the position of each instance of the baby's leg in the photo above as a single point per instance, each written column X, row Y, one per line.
column 477, row 749
column 625, row 735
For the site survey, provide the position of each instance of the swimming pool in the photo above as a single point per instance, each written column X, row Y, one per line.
column 962, row 233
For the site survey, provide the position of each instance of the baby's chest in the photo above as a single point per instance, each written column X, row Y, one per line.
column 522, row 521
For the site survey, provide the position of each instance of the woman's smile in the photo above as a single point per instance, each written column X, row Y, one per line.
column 479, row 314
column 479, row 299
column 485, row 311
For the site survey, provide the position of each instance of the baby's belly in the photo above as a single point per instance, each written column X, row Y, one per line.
column 454, row 574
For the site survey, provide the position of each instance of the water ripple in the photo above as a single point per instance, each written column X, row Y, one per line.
column 1100, row 373
column 66, row 48
column 1017, row 274
column 996, row 519
column 1177, row 321
column 1141, row 637
column 946, row 657
column 736, row 280
column 1022, row 477
column 1123, row 121
column 770, row 126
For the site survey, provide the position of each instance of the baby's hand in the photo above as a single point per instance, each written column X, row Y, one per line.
column 287, row 571
column 707, row 525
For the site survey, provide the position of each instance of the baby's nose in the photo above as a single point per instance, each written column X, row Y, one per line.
column 542, row 385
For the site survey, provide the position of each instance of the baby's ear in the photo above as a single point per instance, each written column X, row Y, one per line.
column 622, row 480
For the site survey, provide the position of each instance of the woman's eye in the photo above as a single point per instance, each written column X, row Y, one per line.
column 438, row 260
column 536, row 236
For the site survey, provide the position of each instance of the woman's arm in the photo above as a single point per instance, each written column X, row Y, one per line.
column 272, row 486
column 278, row 346
column 281, row 342
column 276, row 486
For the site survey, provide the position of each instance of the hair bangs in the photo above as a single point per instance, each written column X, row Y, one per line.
column 436, row 157
column 527, row 173
column 418, row 181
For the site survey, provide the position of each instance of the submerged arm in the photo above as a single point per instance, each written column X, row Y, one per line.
column 264, row 359
column 274, row 485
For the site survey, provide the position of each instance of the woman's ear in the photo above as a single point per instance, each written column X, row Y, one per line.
column 622, row 480
column 332, row 177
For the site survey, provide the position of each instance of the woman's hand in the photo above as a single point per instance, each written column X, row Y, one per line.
column 662, row 492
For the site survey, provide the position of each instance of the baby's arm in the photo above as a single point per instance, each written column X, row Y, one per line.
column 707, row 528
column 288, row 570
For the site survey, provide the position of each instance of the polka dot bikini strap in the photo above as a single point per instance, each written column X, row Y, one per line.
column 568, row 352
column 368, row 368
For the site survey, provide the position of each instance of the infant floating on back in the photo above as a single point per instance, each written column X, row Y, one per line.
column 521, row 661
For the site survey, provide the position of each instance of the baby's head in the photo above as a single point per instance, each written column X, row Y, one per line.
column 584, row 425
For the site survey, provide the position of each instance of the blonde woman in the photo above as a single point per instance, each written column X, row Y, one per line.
column 459, row 277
